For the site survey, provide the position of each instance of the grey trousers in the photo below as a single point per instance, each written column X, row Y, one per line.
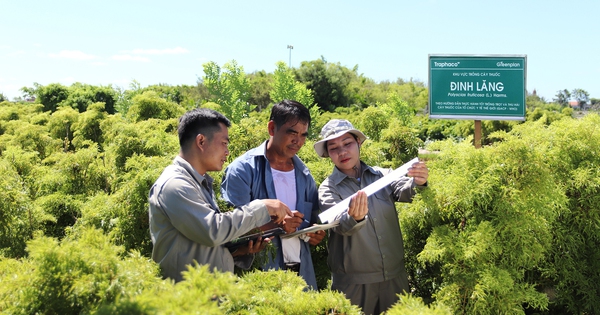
column 374, row 298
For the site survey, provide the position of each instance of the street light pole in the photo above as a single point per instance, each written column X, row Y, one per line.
column 290, row 47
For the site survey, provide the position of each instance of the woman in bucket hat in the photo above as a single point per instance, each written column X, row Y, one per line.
column 366, row 254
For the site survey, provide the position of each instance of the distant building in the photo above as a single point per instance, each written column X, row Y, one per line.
column 575, row 105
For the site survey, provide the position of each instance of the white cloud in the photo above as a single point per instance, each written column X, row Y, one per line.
column 130, row 58
column 73, row 54
column 168, row 51
column 99, row 63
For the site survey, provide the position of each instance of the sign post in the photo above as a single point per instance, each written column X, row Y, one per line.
column 478, row 87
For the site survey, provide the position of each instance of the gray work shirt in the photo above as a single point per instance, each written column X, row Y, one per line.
column 186, row 224
column 371, row 250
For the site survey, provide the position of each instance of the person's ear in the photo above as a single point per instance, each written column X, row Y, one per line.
column 200, row 140
column 271, row 127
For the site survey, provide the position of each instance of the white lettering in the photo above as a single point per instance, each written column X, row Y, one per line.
column 509, row 65
column 446, row 64
column 490, row 86
column 461, row 86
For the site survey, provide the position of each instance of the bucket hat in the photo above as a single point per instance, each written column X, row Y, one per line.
column 333, row 129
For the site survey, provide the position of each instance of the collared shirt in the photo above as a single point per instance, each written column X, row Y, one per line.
column 249, row 177
column 186, row 224
column 371, row 250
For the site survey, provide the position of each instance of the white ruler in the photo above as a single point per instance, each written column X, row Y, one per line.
column 330, row 214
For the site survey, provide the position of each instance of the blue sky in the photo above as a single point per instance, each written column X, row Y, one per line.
column 116, row 42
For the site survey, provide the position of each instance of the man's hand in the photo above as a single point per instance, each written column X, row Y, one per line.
column 420, row 173
column 359, row 207
column 277, row 210
column 316, row 238
column 252, row 248
column 291, row 223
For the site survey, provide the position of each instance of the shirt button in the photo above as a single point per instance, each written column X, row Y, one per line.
column 379, row 237
column 374, row 219
column 383, row 256
column 386, row 272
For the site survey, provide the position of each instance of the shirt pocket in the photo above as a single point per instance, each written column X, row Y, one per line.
column 381, row 202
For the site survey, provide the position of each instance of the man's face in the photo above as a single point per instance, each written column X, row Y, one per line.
column 289, row 138
column 217, row 150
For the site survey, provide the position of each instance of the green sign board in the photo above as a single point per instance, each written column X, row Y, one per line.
column 479, row 87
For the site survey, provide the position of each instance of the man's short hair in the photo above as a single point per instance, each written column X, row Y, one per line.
column 199, row 121
column 289, row 111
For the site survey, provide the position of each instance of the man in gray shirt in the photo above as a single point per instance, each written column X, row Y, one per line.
column 186, row 224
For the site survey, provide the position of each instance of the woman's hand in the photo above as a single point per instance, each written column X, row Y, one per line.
column 419, row 172
column 358, row 208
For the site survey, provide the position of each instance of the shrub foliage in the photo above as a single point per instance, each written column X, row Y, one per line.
column 513, row 227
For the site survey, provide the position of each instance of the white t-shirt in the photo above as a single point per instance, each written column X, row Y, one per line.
column 285, row 188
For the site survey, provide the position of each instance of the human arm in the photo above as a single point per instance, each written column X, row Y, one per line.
column 191, row 210
column 404, row 188
column 330, row 195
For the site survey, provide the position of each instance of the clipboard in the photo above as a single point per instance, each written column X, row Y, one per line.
column 245, row 239
column 312, row 229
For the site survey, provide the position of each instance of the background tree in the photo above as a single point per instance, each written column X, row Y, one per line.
column 364, row 92
column 533, row 101
column 60, row 125
column 87, row 126
column 149, row 105
column 286, row 87
column 125, row 96
column 562, row 97
column 329, row 82
column 83, row 95
column 50, row 95
column 260, row 82
column 581, row 96
column 230, row 89
column 415, row 94
column 398, row 108
column 373, row 120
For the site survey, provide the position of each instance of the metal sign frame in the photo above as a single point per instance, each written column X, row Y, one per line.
column 478, row 87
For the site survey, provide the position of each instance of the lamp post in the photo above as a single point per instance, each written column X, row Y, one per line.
column 290, row 47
